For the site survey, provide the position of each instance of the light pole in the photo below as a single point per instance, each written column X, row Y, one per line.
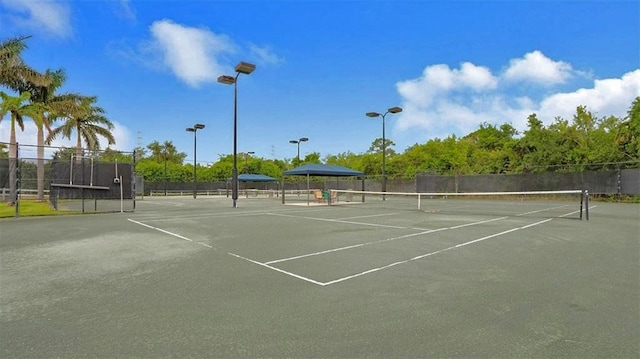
column 384, row 144
column 297, row 142
column 165, row 169
column 194, row 129
column 241, row 68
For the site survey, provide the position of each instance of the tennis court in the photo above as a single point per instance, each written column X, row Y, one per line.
column 196, row 278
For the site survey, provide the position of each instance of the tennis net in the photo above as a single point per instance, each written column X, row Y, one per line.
column 547, row 204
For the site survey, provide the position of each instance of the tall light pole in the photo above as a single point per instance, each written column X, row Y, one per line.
column 246, row 160
column 297, row 142
column 241, row 68
column 194, row 129
column 384, row 144
column 165, row 168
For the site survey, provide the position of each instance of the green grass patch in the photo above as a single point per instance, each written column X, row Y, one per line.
column 30, row 208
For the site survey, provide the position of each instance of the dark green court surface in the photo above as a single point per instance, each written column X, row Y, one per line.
column 197, row 278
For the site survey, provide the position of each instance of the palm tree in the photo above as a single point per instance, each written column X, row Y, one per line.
column 14, row 74
column 16, row 107
column 46, row 106
column 86, row 120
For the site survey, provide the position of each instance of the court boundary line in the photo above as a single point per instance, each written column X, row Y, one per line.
column 333, row 220
column 376, row 269
column 384, row 240
column 169, row 233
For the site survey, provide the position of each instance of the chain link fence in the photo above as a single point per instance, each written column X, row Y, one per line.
column 68, row 181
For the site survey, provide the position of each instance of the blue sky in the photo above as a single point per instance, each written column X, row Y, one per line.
column 321, row 65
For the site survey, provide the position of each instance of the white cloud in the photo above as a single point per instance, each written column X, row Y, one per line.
column 191, row 53
column 606, row 97
column 439, row 80
column 445, row 101
column 265, row 55
column 536, row 67
column 50, row 17
column 126, row 11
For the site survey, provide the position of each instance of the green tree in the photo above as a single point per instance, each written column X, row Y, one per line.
column 14, row 73
column 346, row 159
column 4, row 150
column 628, row 139
column 87, row 120
column 491, row 148
column 46, row 105
column 313, row 157
column 17, row 109
column 113, row 156
column 166, row 151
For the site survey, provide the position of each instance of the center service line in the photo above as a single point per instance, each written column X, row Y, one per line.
column 337, row 221
column 384, row 240
column 434, row 253
column 266, row 265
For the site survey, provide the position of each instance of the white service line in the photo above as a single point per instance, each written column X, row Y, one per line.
column 384, row 240
column 542, row 210
column 369, row 216
column 338, row 221
column 278, row 270
column 574, row 212
column 169, row 233
column 354, row 246
column 266, row 265
column 433, row 253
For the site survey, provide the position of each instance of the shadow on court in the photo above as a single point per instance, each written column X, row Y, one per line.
column 197, row 278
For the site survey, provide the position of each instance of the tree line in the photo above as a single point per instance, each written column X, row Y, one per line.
column 583, row 142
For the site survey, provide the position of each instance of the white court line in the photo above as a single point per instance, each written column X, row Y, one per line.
column 156, row 218
column 369, row 216
column 339, row 221
column 544, row 209
column 433, row 253
column 279, row 270
column 160, row 230
column 383, row 240
column 574, row 212
column 169, row 233
column 353, row 246
column 266, row 265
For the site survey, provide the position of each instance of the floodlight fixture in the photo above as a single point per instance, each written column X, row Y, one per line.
column 395, row 109
column 194, row 129
column 241, row 68
column 297, row 142
column 227, row 80
column 245, row 68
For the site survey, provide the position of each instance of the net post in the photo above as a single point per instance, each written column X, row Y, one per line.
column 586, row 211
column 581, row 203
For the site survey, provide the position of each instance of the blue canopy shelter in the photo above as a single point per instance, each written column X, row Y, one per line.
column 252, row 177
column 249, row 177
column 315, row 169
